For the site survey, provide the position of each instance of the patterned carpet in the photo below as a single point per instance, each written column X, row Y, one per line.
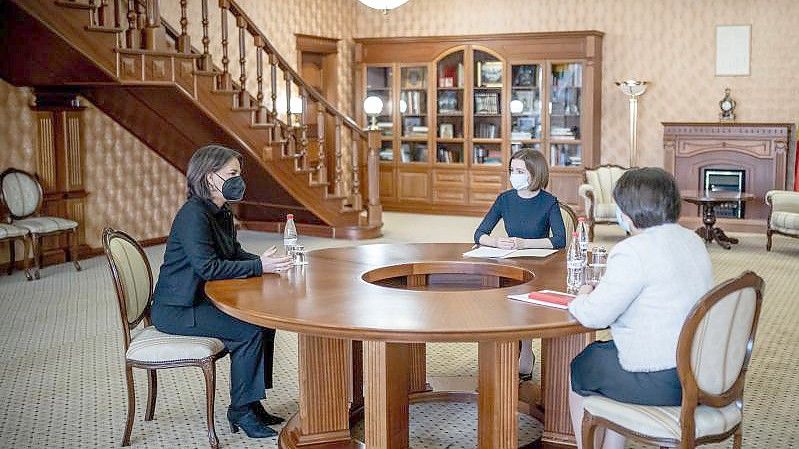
column 62, row 379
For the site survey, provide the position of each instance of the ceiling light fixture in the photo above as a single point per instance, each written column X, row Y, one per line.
column 383, row 5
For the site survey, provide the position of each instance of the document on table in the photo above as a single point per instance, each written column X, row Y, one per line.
column 549, row 298
column 498, row 253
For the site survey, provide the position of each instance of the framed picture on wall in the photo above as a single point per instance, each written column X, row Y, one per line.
column 733, row 49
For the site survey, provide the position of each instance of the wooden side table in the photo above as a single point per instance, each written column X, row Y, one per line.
column 708, row 201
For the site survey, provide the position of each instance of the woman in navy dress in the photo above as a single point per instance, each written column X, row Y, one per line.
column 530, row 214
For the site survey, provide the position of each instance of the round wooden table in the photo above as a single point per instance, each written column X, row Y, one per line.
column 364, row 314
column 708, row 201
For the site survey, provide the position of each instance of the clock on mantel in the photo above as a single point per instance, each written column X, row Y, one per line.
column 727, row 105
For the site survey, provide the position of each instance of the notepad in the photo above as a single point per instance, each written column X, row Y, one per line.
column 549, row 298
column 498, row 253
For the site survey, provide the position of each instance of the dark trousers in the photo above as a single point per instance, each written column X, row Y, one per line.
column 251, row 347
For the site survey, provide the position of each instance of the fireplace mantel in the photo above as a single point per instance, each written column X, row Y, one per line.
column 761, row 149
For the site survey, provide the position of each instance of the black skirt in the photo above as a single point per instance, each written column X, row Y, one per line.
column 597, row 371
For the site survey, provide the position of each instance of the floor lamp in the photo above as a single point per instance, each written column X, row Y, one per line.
column 633, row 89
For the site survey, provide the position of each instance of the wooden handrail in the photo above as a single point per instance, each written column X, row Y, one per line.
column 235, row 9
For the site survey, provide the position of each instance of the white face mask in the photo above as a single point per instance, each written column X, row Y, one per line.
column 519, row 181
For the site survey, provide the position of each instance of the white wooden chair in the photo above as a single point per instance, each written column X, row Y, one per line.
column 712, row 358
column 145, row 347
column 22, row 194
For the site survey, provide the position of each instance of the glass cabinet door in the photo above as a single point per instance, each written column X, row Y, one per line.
column 487, row 109
column 379, row 82
column 413, row 114
column 525, row 102
column 450, row 87
column 565, row 113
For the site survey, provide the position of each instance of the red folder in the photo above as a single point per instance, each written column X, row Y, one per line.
column 554, row 298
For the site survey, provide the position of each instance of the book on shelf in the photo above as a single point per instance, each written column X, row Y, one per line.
column 521, row 135
column 486, row 131
column 486, row 103
column 414, row 102
column 448, row 156
column 548, row 298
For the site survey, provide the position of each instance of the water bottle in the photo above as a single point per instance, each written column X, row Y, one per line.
column 289, row 234
column 583, row 238
column 575, row 265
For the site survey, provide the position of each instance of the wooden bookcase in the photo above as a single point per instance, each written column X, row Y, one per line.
column 447, row 126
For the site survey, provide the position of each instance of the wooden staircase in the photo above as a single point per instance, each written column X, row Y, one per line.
column 124, row 58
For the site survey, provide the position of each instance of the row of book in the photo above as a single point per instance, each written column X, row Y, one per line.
column 415, row 102
column 486, row 103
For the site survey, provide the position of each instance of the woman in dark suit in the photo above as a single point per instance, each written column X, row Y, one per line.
column 201, row 247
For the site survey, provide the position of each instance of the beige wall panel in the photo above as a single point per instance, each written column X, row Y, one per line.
column 670, row 43
column 130, row 187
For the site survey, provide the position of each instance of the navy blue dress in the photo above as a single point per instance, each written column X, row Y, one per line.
column 527, row 218
column 201, row 247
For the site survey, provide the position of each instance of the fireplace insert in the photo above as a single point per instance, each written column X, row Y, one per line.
column 726, row 180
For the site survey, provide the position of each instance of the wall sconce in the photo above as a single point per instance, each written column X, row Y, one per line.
column 373, row 106
column 516, row 106
column 633, row 89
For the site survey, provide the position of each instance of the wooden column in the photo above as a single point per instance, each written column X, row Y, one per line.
column 324, row 390
column 386, row 393
column 557, row 354
column 498, row 387
column 417, row 365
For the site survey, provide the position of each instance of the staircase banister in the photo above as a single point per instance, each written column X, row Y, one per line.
column 236, row 10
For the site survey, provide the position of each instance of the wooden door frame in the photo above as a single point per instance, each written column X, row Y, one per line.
column 329, row 48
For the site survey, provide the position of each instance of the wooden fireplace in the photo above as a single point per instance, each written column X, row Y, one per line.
column 759, row 151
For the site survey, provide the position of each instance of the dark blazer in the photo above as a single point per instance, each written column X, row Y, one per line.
column 201, row 247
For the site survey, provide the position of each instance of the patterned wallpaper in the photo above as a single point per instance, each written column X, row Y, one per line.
column 670, row 43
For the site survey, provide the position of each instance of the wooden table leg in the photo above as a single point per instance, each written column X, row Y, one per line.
column 498, row 386
column 386, row 384
column 418, row 368
column 324, row 387
column 557, row 354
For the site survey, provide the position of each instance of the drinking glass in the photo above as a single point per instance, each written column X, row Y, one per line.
column 596, row 269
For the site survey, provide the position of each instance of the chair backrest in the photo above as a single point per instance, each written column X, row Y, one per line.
column 22, row 193
column 716, row 342
column 132, row 277
column 569, row 221
column 783, row 200
column 603, row 179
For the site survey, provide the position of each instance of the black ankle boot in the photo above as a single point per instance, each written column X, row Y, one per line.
column 268, row 418
column 253, row 426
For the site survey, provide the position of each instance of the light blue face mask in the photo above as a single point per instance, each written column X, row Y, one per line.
column 622, row 222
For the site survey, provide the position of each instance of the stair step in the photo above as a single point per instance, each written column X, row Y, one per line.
column 75, row 5
column 245, row 109
column 139, row 51
column 225, row 91
column 262, row 125
column 100, row 29
column 290, row 156
column 304, row 170
column 206, row 73
column 319, row 184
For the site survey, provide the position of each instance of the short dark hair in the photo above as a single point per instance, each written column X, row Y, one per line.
column 207, row 159
column 536, row 164
column 649, row 196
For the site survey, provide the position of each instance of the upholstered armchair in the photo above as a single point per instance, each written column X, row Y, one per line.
column 713, row 354
column 783, row 214
column 597, row 194
column 22, row 195
column 145, row 347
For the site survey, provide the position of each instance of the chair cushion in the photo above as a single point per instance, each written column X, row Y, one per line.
column 605, row 211
column 43, row 225
column 787, row 222
column 149, row 345
column 663, row 422
column 8, row 231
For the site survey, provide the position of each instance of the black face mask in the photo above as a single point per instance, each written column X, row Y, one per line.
column 232, row 188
